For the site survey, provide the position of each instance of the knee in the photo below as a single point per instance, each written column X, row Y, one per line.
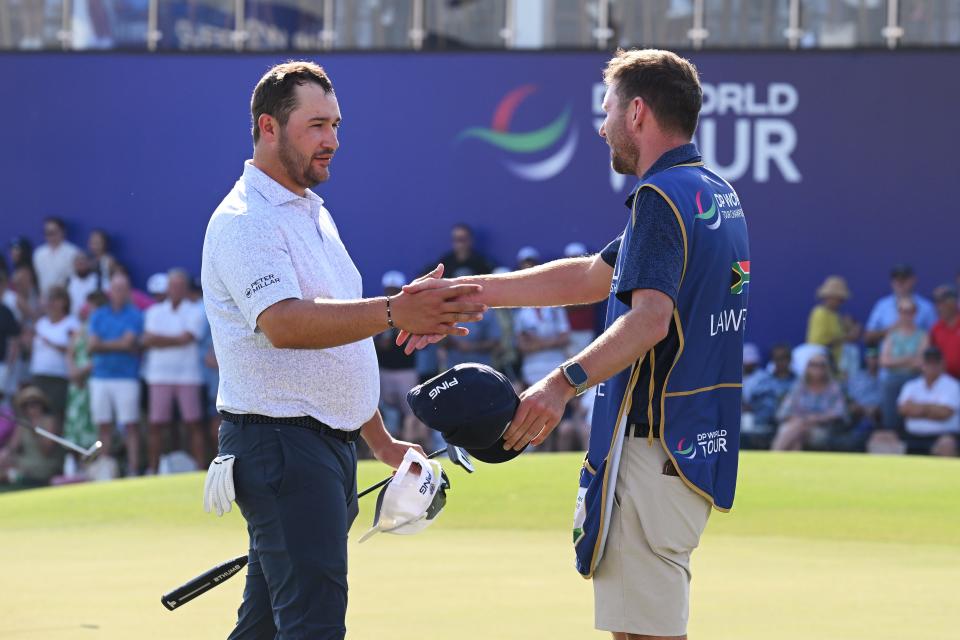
column 946, row 445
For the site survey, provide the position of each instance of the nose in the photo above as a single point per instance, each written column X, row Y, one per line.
column 603, row 130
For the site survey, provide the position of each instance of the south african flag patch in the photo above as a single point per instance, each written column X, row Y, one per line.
column 740, row 277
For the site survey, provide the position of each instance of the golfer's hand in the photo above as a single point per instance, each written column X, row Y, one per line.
column 218, row 491
column 432, row 280
column 437, row 311
column 541, row 408
column 391, row 452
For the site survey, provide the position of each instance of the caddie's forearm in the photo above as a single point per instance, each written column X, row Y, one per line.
column 321, row 324
column 627, row 339
column 554, row 284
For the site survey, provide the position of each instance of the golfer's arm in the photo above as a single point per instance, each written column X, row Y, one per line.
column 554, row 284
column 374, row 432
column 627, row 339
column 321, row 324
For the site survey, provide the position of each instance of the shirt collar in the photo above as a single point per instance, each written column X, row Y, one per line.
column 683, row 154
column 272, row 191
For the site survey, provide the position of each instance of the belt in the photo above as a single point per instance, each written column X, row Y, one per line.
column 641, row 431
column 307, row 422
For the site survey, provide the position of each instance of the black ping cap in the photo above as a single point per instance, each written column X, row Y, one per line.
column 471, row 405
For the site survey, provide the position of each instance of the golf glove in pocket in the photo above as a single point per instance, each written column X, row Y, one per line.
column 218, row 490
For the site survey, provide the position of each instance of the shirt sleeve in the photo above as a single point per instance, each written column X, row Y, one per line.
column 905, row 393
column 609, row 253
column 150, row 319
column 655, row 256
column 136, row 322
column 873, row 322
column 951, row 396
column 254, row 265
column 197, row 323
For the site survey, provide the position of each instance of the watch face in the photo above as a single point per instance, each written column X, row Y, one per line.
column 576, row 374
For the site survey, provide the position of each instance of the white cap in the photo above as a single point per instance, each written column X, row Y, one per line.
column 499, row 270
column 393, row 280
column 157, row 284
column 410, row 502
column 527, row 253
column 751, row 354
column 575, row 250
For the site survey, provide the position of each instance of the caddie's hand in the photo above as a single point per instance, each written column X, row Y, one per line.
column 437, row 311
column 541, row 408
column 218, row 490
column 391, row 452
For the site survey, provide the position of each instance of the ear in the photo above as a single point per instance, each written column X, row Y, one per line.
column 269, row 127
column 638, row 111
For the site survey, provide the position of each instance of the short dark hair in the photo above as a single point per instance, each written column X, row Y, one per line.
column 668, row 84
column 60, row 293
column 275, row 94
column 932, row 354
column 57, row 221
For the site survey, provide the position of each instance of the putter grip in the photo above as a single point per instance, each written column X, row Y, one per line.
column 203, row 582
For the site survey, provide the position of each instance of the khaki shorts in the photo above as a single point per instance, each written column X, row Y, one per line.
column 642, row 584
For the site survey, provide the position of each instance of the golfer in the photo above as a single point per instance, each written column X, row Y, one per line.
column 298, row 370
column 667, row 369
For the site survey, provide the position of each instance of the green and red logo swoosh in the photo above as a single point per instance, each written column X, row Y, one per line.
column 706, row 215
column 688, row 453
column 527, row 142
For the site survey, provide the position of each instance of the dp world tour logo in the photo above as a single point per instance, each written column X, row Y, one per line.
column 706, row 215
column 689, row 453
column 740, row 277
column 525, row 143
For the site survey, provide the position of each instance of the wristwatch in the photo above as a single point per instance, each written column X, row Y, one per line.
column 575, row 375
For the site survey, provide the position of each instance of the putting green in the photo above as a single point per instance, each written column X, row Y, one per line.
column 818, row 546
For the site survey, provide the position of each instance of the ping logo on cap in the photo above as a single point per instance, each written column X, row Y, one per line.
column 446, row 384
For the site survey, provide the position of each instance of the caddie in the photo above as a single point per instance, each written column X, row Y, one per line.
column 668, row 366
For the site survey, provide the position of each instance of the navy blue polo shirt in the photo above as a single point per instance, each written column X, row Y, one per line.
column 654, row 261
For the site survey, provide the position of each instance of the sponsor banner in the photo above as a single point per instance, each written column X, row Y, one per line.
column 836, row 157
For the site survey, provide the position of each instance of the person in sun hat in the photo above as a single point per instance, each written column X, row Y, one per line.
column 825, row 325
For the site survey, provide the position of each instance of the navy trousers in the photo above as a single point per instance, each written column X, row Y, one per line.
column 297, row 490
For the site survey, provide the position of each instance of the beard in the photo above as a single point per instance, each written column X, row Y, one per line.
column 300, row 167
column 623, row 153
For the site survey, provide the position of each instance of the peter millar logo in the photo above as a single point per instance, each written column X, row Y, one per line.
column 740, row 277
column 260, row 283
column 689, row 453
column 706, row 215
column 520, row 144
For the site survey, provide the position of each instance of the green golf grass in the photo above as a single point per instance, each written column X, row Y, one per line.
column 817, row 546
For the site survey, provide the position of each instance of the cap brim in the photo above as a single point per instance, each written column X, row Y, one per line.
column 495, row 453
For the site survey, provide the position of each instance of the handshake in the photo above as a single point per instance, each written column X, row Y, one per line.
column 431, row 307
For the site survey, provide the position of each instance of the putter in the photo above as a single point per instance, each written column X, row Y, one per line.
column 85, row 454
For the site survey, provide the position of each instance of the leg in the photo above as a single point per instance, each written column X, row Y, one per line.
column 160, row 411
column 297, row 491
column 945, row 445
column 131, row 436
column 790, row 435
column 255, row 616
column 188, row 400
column 127, row 397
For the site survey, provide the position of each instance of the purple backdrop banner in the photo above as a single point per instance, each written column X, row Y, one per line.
column 839, row 158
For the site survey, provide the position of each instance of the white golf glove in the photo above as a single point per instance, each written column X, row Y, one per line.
column 218, row 490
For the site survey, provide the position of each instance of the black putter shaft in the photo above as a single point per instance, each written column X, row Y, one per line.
column 389, row 478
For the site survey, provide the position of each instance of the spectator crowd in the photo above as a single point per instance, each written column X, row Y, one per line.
column 87, row 356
